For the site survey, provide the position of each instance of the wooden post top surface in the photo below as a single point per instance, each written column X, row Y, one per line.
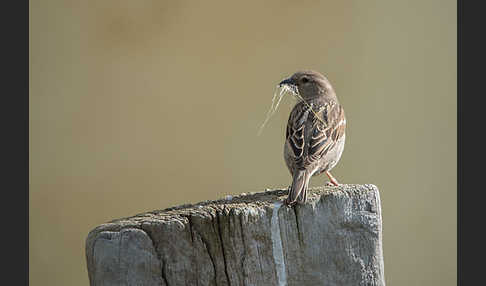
column 247, row 239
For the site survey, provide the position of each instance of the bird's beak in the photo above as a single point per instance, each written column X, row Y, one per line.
column 287, row 81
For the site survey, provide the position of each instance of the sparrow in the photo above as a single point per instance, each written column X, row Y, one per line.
column 315, row 133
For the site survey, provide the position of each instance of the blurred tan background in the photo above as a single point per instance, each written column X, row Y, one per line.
column 142, row 105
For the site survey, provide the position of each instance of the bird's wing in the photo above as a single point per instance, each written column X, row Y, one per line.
column 296, row 130
column 311, row 137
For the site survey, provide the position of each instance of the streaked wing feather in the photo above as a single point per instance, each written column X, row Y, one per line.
column 324, row 132
column 295, row 130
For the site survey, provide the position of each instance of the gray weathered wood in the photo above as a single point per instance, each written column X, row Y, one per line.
column 250, row 239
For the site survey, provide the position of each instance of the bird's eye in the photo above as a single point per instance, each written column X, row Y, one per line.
column 305, row 80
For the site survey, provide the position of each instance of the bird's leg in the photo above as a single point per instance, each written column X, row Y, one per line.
column 286, row 201
column 332, row 179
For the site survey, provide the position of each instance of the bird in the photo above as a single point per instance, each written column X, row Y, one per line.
column 315, row 133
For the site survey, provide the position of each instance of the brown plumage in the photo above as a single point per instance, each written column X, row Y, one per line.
column 315, row 134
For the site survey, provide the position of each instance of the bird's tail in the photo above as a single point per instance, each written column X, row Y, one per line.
column 298, row 189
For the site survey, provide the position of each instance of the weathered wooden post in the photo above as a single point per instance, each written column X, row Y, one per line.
column 250, row 239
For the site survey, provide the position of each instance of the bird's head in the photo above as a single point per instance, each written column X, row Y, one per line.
column 308, row 84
